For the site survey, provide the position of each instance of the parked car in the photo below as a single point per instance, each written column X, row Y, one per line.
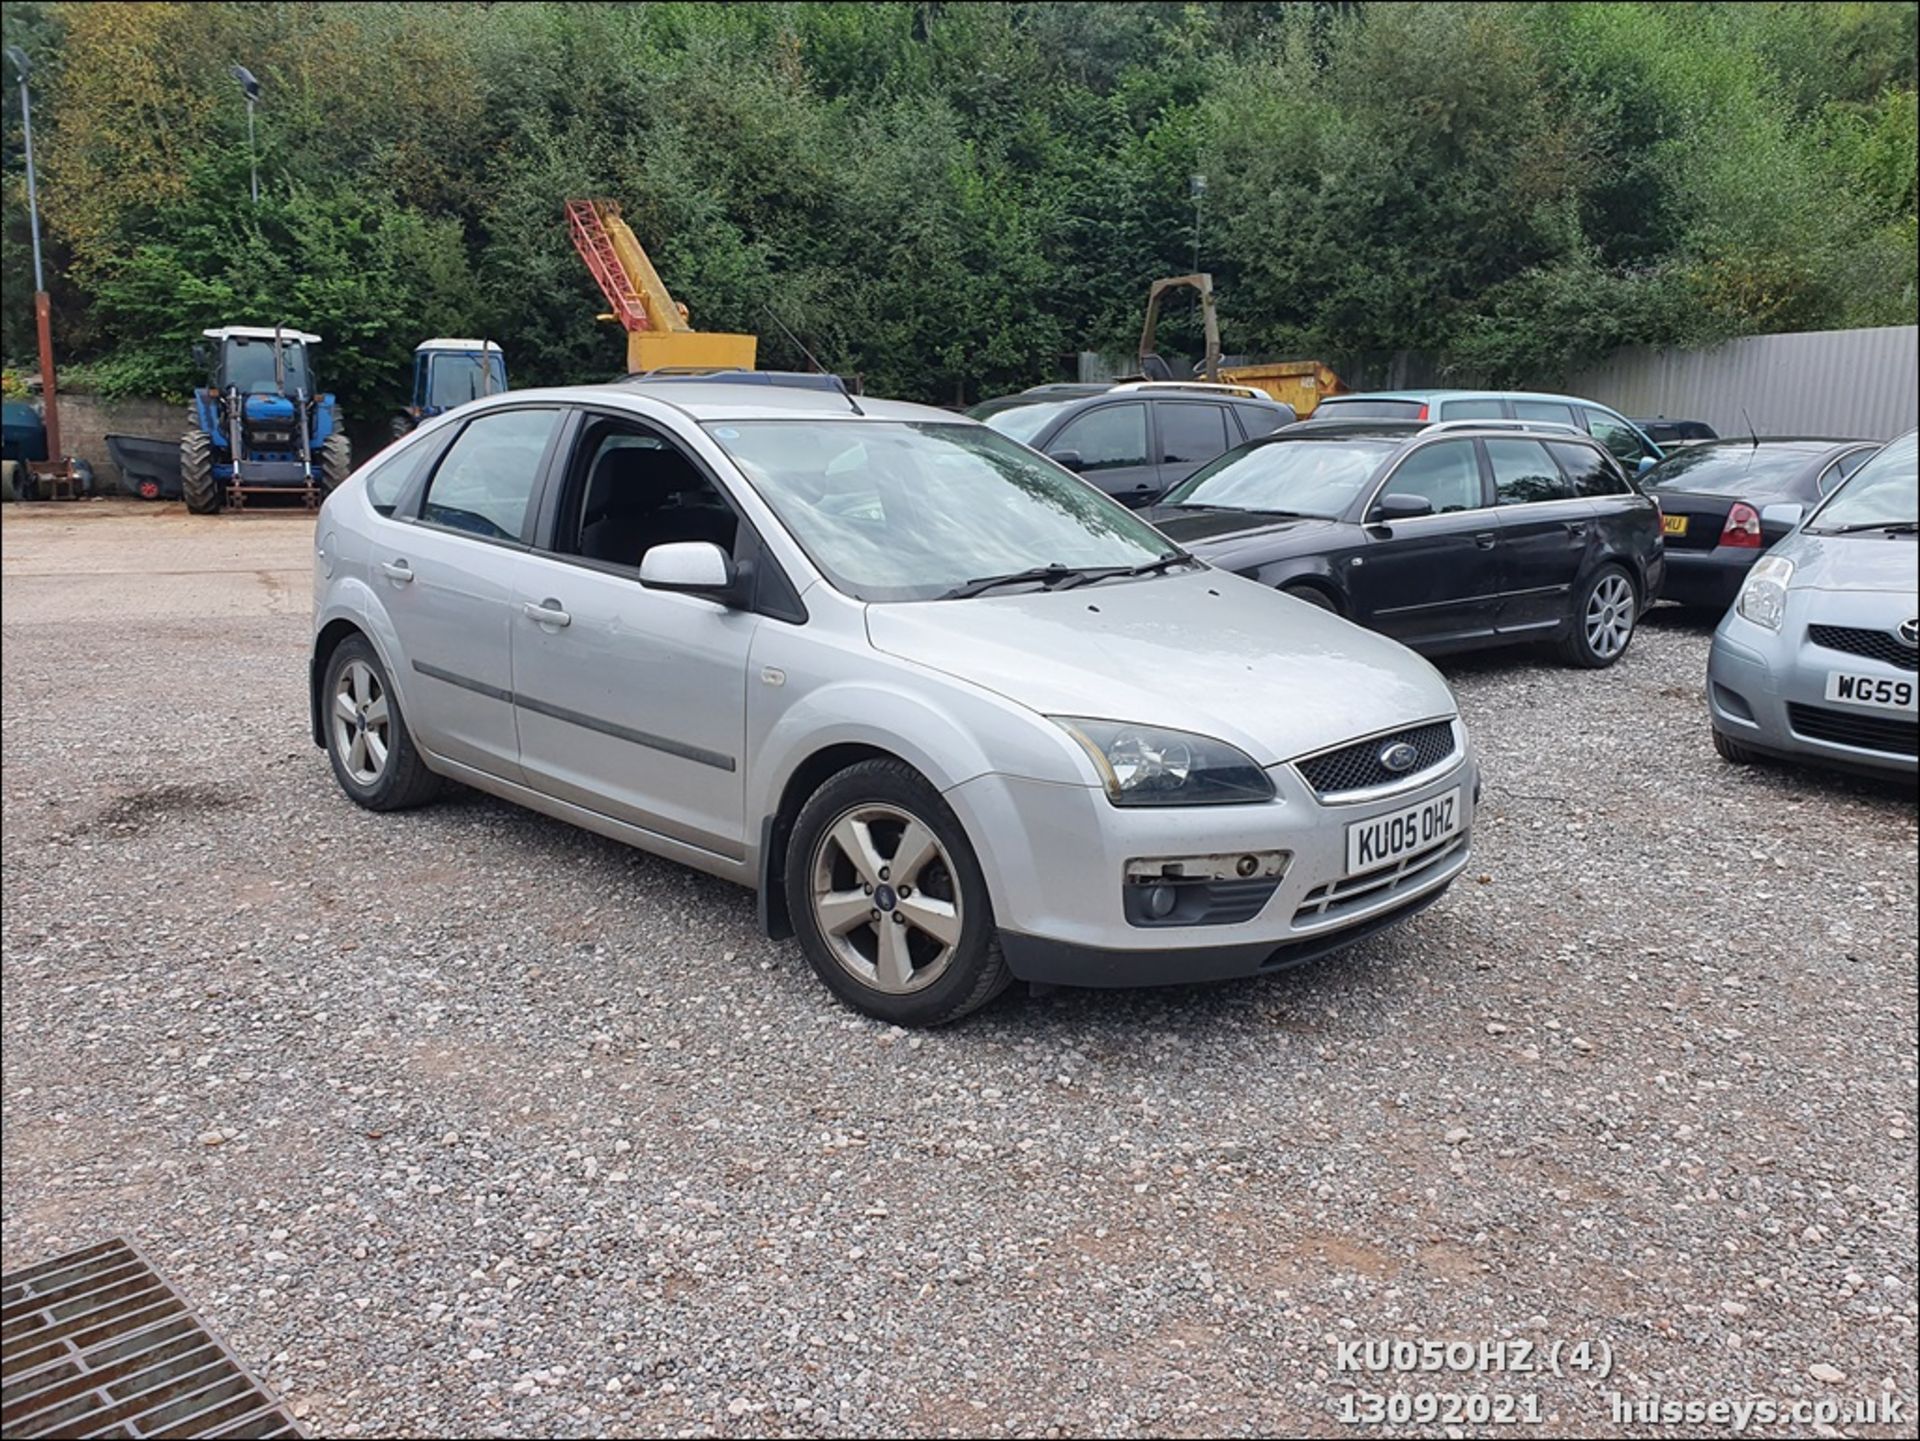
column 1817, row 658
column 1711, row 497
column 1448, row 537
column 1671, row 435
column 959, row 718
column 1628, row 444
column 1137, row 439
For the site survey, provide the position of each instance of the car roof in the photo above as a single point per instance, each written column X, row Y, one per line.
column 259, row 332
column 706, row 400
column 1807, row 443
column 1435, row 395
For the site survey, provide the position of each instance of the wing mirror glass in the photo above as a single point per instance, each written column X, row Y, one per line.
column 693, row 567
column 1402, row 507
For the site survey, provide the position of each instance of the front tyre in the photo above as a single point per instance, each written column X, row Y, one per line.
column 1732, row 752
column 197, row 484
column 336, row 461
column 888, row 900
column 373, row 754
column 1605, row 611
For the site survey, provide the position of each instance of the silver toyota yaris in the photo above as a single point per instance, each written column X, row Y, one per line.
column 1817, row 657
column 958, row 717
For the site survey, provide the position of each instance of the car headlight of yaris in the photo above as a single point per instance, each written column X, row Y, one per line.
column 1151, row 766
column 1763, row 599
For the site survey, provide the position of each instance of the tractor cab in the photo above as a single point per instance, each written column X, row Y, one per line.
column 447, row 373
column 260, row 425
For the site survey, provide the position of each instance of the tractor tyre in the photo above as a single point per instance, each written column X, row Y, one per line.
column 403, row 425
column 197, row 484
column 336, row 461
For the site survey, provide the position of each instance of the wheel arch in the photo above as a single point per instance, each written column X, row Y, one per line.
column 776, row 827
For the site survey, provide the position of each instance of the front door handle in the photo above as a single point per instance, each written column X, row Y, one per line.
column 1484, row 540
column 548, row 612
column 397, row 571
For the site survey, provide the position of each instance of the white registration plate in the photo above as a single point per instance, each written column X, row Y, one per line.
column 1382, row 840
column 1871, row 690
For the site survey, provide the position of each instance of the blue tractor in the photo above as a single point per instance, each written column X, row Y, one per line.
column 447, row 373
column 259, row 426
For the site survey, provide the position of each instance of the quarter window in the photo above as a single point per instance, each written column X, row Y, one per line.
column 486, row 481
column 1523, row 473
column 1472, row 410
column 1107, row 439
column 1191, row 434
column 1544, row 410
column 1587, row 469
column 1445, row 473
column 388, row 478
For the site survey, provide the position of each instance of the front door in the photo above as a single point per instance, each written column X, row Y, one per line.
column 1109, row 445
column 1433, row 580
column 632, row 702
column 445, row 575
column 1545, row 534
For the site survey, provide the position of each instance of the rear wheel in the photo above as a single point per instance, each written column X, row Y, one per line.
column 373, row 754
column 1312, row 595
column 1605, row 611
column 197, row 484
column 336, row 461
column 1732, row 751
column 889, row 903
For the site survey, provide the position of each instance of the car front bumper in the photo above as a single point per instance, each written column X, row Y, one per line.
column 1759, row 681
column 1058, row 864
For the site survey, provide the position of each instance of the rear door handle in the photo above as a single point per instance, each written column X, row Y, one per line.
column 548, row 612
column 1577, row 529
column 1484, row 540
column 397, row 571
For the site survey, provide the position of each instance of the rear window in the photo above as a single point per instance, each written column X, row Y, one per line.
column 1728, row 470
column 1370, row 407
column 1300, row 477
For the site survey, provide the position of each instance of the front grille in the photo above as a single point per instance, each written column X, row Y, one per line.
column 1343, row 897
column 1357, row 767
column 1875, row 644
column 1871, row 733
column 97, row 1344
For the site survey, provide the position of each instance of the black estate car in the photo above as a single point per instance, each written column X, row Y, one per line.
column 1446, row 537
column 1138, row 438
column 1714, row 498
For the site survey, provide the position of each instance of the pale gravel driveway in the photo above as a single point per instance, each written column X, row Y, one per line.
column 520, row 1132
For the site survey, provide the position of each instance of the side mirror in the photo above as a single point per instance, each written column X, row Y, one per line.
column 1646, row 464
column 1401, row 507
column 691, row 567
column 1069, row 458
column 1776, row 521
column 202, row 357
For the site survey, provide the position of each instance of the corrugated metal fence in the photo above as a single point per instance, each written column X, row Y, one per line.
column 1822, row 382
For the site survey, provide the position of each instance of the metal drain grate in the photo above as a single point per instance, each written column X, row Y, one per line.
column 95, row 1343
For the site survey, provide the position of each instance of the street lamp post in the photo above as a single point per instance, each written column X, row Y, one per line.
column 42, row 307
column 252, row 88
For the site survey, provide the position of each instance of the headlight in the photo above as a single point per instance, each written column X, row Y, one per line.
column 1148, row 766
column 1763, row 599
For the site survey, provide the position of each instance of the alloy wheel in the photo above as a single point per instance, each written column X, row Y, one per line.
column 361, row 722
column 1610, row 617
column 885, row 898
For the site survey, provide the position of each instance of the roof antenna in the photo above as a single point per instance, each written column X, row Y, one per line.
column 812, row 359
column 1751, row 432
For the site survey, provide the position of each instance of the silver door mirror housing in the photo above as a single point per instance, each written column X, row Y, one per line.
column 692, row 567
column 1646, row 464
column 1071, row 459
column 1777, row 521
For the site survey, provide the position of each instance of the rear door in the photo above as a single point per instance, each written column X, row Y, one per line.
column 1113, row 448
column 1626, row 523
column 1192, row 432
column 1432, row 581
column 1546, row 533
column 444, row 572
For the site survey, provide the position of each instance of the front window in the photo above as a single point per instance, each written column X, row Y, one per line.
column 1619, row 437
column 1296, row 477
column 911, row 510
column 454, row 379
column 249, row 367
column 1882, row 494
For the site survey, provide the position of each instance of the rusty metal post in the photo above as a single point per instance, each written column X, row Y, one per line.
column 49, row 391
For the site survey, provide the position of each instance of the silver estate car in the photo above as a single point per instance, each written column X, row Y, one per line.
column 1817, row 657
column 958, row 717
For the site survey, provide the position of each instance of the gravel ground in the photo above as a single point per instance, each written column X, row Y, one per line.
column 467, row 1122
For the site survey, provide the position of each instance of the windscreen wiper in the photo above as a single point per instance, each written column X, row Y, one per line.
column 1891, row 527
column 1047, row 575
column 1151, row 567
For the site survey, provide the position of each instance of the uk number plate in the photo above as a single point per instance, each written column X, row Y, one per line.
column 1876, row 691
column 1383, row 840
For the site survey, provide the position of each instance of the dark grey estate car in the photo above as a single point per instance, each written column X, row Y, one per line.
column 1137, row 439
column 1446, row 537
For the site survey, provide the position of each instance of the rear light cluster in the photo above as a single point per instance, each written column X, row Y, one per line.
column 1421, row 413
column 1742, row 527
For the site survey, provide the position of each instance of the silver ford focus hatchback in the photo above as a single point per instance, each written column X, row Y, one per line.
column 959, row 718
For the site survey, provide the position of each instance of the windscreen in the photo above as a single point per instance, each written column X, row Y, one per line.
column 1884, row 491
column 249, row 367
column 454, row 379
column 1022, row 420
column 1298, row 476
column 909, row 510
